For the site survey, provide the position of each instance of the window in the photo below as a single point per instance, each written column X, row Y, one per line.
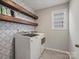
column 60, row 19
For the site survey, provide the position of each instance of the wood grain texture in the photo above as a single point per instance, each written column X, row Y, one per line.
column 17, row 7
column 16, row 20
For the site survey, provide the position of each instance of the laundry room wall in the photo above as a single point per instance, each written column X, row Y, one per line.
column 56, row 39
column 74, row 28
column 7, row 30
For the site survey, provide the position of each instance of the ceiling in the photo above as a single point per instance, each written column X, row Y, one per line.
column 40, row 4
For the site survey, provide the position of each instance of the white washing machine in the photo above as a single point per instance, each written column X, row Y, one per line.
column 29, row 46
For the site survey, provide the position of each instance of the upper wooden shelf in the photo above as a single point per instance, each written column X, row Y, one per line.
column 16, row 20
column 17, row 7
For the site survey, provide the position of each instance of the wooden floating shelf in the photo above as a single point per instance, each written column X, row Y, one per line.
column 16, row 20
column 17, row 7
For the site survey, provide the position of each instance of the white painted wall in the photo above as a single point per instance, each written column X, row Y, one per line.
column 74, row 27
column 23, row 4
column 55, row 39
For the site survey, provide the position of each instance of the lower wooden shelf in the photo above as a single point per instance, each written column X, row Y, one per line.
column 16, row 20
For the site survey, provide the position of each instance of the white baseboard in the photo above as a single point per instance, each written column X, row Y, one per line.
column 60, row 51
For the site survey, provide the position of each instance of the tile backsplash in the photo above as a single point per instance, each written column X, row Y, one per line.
column 7, row 30
column 14, row 26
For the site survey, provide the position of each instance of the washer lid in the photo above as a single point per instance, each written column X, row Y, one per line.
column 30, row 35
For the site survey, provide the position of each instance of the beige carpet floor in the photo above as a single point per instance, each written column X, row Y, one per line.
column 47, row 54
